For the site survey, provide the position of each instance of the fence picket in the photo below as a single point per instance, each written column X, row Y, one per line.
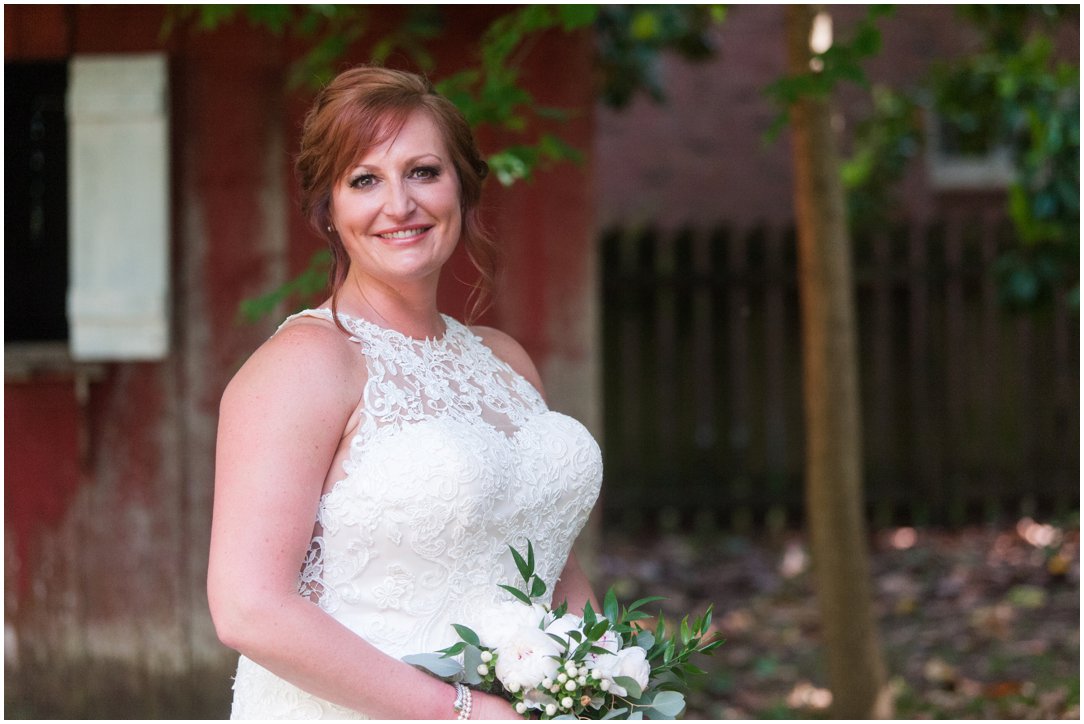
column 970, row 412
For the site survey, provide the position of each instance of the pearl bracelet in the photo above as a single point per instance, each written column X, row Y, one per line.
column 462, row 701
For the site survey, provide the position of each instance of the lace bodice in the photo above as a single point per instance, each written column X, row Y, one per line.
column 456, row 457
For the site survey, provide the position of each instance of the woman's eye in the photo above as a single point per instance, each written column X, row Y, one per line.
column 425, row 172
column 365, row 179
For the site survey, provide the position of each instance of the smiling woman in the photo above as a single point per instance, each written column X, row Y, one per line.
column 377, row 460
column 366, row 108
column 397, row 213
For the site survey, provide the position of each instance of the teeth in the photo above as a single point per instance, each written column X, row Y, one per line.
column 405, row 234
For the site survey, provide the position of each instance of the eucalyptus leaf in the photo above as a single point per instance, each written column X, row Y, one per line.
column 615, row 713
column 668, row 704
column 630, row 685
column 437, row 665
column 472, row 657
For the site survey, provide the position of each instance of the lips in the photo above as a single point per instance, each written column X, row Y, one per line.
column 404, row 233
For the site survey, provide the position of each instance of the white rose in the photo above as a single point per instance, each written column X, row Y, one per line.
column 502, row 620
column 526, row 658
column 631, row 662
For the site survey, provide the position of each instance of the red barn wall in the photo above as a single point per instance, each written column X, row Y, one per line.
column 108, row 490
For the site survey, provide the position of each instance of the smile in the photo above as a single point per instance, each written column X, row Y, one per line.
column 404, row 233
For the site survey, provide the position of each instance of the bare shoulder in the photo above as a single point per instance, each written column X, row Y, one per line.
column 307, row 361
column 511, row 352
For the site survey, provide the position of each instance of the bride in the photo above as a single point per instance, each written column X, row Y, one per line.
column 376, row 458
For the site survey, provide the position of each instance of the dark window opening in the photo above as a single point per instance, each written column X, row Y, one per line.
column 35, row 202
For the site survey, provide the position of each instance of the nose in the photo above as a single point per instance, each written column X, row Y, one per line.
column 399, row 202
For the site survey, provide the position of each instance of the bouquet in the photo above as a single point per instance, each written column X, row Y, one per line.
column 559, row 665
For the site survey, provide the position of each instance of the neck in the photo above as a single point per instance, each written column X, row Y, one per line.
column 409, row 308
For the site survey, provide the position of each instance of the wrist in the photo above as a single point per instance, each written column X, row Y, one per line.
column 463, row 702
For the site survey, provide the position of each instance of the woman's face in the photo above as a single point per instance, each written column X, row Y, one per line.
column 397, row 209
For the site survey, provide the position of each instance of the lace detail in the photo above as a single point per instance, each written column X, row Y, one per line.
column 456, row 457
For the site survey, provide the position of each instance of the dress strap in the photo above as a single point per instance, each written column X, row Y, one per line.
column 324, row 314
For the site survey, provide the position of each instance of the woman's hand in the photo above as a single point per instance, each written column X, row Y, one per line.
column 490, row 706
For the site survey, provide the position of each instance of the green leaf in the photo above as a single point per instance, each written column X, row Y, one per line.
column 610, row 607
column 645, row 640
column 538, row 587
column 615, row 713
column 642, row 601
column 630, row 685
column 472, row 657
column 442, row 668
column 517, row 593
column 596, row 631
column 467, row 634
column 668, row 704
column 526, row 570
column 589, row 616
column 454, row 649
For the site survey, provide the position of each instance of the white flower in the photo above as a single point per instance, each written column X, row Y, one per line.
column 570, row 685
column 521, row 708
column 567, row 702
column 497, row 623
column 483, row 669
column 551, row 709
column 631, row 662
column 609, row 641
column 563, row 626
column 487, row 657
column 525, row 658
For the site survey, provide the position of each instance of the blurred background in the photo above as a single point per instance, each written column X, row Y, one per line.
column 644, row 197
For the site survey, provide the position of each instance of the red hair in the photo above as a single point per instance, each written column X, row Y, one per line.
column 360, row 109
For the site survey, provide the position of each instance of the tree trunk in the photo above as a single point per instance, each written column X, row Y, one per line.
column 834, row 505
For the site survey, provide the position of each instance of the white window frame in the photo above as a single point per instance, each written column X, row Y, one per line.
column 992, row 171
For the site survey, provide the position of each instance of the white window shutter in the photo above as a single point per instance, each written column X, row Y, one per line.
column 118, row 120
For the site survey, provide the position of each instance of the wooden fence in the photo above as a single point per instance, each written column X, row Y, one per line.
column 970, row 412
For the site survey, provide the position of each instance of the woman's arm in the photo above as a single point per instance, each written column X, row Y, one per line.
column 281, row 421
column 574, row 587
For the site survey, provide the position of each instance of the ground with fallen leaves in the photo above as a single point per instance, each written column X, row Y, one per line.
column 978, row 623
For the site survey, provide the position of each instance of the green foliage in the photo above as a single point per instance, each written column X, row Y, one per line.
column 630, row 38
column 488, row 93
column 304, row 286
column 884, row 144
column 1013, row 93
column 842, row 61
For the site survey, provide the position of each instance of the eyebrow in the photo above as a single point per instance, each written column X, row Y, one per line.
column 409, row 162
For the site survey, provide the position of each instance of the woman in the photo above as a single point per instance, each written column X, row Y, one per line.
column 376, row 458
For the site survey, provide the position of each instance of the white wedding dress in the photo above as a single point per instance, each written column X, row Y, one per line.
column 456, row 458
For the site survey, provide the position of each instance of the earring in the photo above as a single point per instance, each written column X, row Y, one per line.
column 329, row 229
